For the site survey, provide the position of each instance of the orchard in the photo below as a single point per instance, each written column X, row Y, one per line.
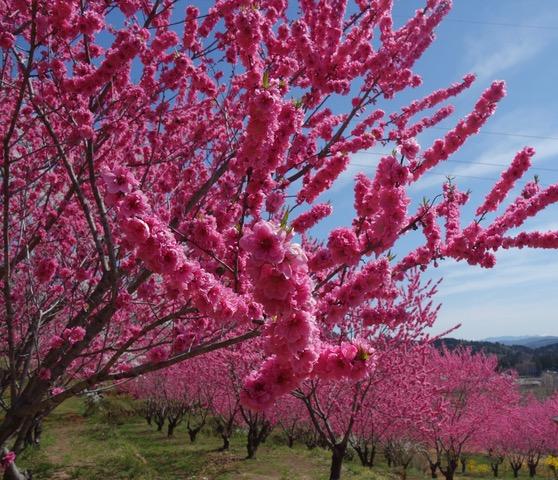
column 164, row 168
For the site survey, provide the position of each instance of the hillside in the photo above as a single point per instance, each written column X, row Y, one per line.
column 527, row 360
column 536, row 341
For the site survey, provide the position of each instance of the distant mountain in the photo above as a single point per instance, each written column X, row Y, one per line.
column 537, row 341
column 528, row 360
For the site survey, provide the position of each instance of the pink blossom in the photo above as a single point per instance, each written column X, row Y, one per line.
column 307, row 220
column 7, row 459
column 46, row 269
column 158, row 354
column 136, row 230
column 118, row 180
column 6, row 40
column 74, row 335
column 264, row 242
column 344, row 246
column 134, row 203
column 56, row 341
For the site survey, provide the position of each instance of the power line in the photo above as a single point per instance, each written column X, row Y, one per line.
column 441, row 174
column 543, row 169
column 502, row 24
column 505, row 134
column 496, row 24
column 502, row 165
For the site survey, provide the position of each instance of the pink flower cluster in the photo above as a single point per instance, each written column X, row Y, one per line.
column 305, row 221
column 374, row 280
column 344, row 361
column 430, row 101
column 454, row 139
column 7, row 459
column 46, row 269
column 518, row 167
column 344, row 246
column 323, row 179
column 128, row 45
column 73, row 335
column 383, row 205
column 156, row 245
column 279, row 273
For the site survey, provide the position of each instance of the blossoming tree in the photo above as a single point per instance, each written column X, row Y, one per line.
column 467, row 391
column 157, row 163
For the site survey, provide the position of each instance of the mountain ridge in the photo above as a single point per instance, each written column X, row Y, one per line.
column 531, row 341
column 526, row 360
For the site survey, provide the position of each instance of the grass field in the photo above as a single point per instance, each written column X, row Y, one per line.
column 76, row 447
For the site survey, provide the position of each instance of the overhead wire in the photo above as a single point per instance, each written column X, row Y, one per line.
column 471, row 162
column 504, row 134
column 495, row 24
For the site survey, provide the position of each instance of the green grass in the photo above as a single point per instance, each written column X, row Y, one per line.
column 97, row 447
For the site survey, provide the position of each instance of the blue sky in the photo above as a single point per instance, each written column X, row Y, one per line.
column 514, row 40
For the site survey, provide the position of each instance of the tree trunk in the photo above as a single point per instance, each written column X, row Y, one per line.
column 433, row 468
column 463, row 461
column 38, row 431
column 337, row 456
column 251, row 447
column 532, row 469
column 366, row 455
column 193, row 433
column 494, row 467
column 170, row 428
column 290, row 441
column 515, row 471
column 449, row 472
column 160, row 422
column 226, row 442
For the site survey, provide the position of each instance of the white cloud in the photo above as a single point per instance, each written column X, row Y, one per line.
column 504, row 57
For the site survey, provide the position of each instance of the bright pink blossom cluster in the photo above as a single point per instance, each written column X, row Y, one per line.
column 307, row 220
column 516, row 170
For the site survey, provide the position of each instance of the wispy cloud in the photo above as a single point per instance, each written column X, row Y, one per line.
column 513, row 269
column 502, row 57
column 492, row 161
column 496, row 51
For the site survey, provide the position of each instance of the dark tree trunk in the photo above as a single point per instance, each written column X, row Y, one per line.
column 290, row 441
column 160, row 422
column 257, row 433
column 226, row 442
column 193, row 433
column 251, row 448
column 405, row 466
column 149, row 419
column 337, row 455
column 389, row 457
column 170, row 428
column 365, row 454
column 463, row 462
column 532, row 469
column 494, row 467
column 433, row 468
column 38, row 431
column 449, row 471
column 515, row 468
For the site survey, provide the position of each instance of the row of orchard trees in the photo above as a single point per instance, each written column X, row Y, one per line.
column 439, row 407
